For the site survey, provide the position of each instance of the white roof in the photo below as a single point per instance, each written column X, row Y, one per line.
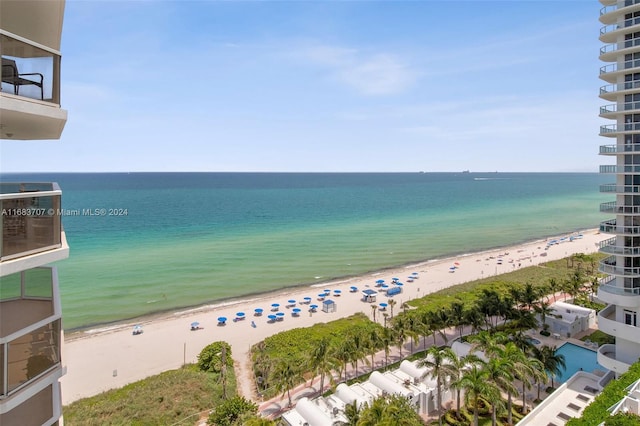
column 388, row 385
column 312, row 413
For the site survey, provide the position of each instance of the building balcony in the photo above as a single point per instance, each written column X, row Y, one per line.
column 607, row 358
column 610, row 92
column 607, row 324
column 30, row 90
column 611, row 52
column 613, row 130
column 613, row 169
column 613, row 9
column 609, row 246
column 620, row 296
column 31, row 223
column 619, row 189
column 614, row 110
column 614, row 207
column 611, row 227
column 609, row 266
column 30, row 323
column 610, row 33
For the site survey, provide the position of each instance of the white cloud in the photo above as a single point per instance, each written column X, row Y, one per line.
column 367, row 73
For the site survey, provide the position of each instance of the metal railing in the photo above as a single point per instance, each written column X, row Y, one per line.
column 610, row 227
column 612, row 88
column 620, row 189
column 614, row 207
column 620, row 169
column 620, row 25
column 613, row 108
column 609, row 266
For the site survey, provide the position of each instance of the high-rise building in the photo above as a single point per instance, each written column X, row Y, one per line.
column 32, row 236
column 621, row 289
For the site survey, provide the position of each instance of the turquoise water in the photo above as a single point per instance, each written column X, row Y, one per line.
column 575, row 358
column 194, row 238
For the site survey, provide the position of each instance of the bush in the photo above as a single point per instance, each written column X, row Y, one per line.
column 623, row 419
column 545, row 333
column 232, row 411
column 210, row 358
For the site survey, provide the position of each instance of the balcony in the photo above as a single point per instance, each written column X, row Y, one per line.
column 609, row 246
column 620, row 296
column 613, row 130
column 29, row 111
column 609, row 266
column 611, row 227
column 29, row 327
column 607, row 323
column 607, row 358
column 620, row 189
column 30, row 222
column 613, row 110
column 614, row 207
column 627, row 169
column 610, row 92
column 613, row 9
column 609, row 33
column 610, row 52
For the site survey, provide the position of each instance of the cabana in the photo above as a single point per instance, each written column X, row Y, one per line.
column 369, row 295
column 329, row 306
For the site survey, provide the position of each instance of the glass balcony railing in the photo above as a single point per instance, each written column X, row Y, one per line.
column 613, row 108
column 627, row 85
column 615, row 128
column 611, row 227
column 614, row 47
column 620, row 189
column 619, row 290
column 632, row 169
column 29, row 70
column 617, row 149
column 614, row 207
column 620, row 25
column 29, row 327
column 30, row 219
column 619, row 5
column 609, row 266
column 609, row 246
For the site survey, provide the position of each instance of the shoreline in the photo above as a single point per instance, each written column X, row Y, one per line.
column 109, row 357
column 100, row 327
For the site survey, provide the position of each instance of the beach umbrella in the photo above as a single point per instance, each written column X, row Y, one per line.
column 322, row 294
column 379, row 281
column 291, row 302
column 399, row 283
column 272, row 317
column 327, row 291
column 275, row 306
column 313, row 307
column 296, row 310
column 258, row 310
column 384, row 286
column 195, row 324
column 456, row 263
column 240, row 314
column 307, row 299
column 395, row 279
column 137, row 329
column 414, row 273
column 383, row 305
column 221, row 319
column 337, row 291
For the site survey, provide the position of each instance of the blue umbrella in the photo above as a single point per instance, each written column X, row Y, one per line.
column 322, row 294
column 275, row 305
column 258, row 310
column 399, row 283
column 379, row 281
column 327, row 291
column 195, row 324
column 296, row 310
column 292, row 301
column 354, row 288
column 222, row 319
column 395, row 279
column 383, row 305
column 313, row 307
column 337, row 291
column 240, row 314
column 414, row 273
column 307, row 299
column 272, row 317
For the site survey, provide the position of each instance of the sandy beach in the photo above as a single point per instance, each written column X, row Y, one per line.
column 111, row 356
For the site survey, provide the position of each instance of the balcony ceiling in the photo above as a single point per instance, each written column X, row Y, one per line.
column 36, row 20
column 26, row 120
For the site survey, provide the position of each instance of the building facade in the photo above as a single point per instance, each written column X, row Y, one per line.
column 32, row 236
column 621, row 289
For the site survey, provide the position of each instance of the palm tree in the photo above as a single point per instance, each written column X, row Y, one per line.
column 373, row 311
column 499, row 372
column 352, row 413
column 412, row 325
column 530, row 296
column 400, row 333
column 552, row 362
column 516, row 357
column 531, row 371
column 554, row 286
column 342, row 354
column 440, row 368
column 474, row 382
column 490, row 343
column 320, row 360
column 459, row 365
column 374, row 344
column 392, row 303
column 286, row 377
column 544, row 309
column 387, row 340
column 457, row 315
column 358, row 348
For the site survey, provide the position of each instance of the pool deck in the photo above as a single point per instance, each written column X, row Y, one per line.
column 569, row 399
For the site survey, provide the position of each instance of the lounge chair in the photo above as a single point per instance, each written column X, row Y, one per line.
column 10, row 75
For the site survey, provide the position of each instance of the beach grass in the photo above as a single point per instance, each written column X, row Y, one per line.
column 165, row 398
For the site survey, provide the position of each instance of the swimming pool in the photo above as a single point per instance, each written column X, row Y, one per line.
column 577, row 357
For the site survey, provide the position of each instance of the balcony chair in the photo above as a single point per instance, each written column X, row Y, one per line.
column 10, row 75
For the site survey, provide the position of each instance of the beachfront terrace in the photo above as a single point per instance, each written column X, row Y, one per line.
column 607, row 359
column 30, row 327
column 30, row 219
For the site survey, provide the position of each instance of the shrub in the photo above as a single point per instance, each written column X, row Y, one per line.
column 232, row 411
column 210, row 358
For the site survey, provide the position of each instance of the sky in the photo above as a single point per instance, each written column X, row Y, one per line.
column 325, row 86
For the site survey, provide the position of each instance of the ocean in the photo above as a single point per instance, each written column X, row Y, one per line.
column 175, row 240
